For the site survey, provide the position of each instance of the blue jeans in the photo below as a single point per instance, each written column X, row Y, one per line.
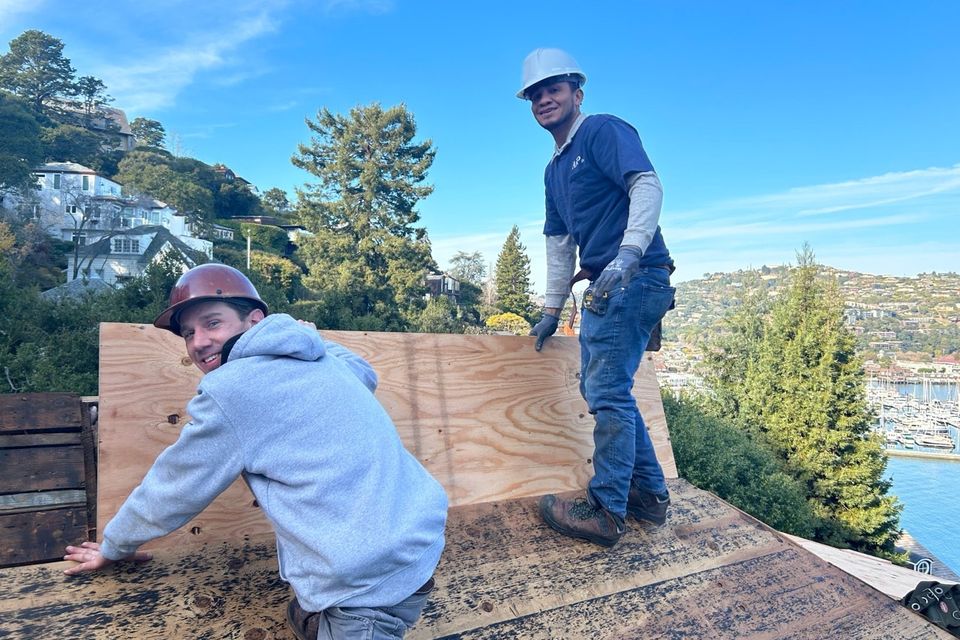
column 611, row 348
column 374, row 623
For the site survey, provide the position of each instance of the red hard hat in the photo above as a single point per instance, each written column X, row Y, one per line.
column 204, row 282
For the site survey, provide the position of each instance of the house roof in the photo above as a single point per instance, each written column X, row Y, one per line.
column 77, row 288
column 118, row 117
column 161, row 237
column 64, row 167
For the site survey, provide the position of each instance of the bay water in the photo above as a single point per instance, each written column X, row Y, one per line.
column 931, row 508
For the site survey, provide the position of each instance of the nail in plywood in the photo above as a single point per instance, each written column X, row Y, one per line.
column 488, row 416
column 710, row 572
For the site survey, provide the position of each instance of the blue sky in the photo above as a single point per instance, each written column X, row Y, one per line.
column 771, row 124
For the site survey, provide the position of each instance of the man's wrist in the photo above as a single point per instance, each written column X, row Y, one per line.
column 552, row 311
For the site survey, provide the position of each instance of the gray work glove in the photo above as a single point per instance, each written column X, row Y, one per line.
column 619, row 272
column 545, row 328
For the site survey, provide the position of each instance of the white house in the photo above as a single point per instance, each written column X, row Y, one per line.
column 74, row 203
column 126, row 253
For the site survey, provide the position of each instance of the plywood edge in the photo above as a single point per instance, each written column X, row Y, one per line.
column 884, row 576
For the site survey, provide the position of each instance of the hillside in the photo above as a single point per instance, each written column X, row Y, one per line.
column 889, row 314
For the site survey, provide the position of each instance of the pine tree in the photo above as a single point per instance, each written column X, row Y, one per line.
column 36, row 70
column 366, row 259
column 512, row 277
column 802, row 392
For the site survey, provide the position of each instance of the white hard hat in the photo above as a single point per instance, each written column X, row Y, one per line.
column 548, row 63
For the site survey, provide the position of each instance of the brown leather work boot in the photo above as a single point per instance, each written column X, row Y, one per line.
column 578, row 518
column 647, row 506
column 305, row 625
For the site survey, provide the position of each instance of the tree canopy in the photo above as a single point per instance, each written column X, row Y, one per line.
column 468, row 267
column 148, row 132
column 789, row 375
column 36, row 69
column 20, row 149
column 366, row 256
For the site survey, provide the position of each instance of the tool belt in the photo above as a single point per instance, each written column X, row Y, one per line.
column 598, row 305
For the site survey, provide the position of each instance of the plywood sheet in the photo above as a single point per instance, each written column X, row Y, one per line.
column 488, row 416
column 710, row 572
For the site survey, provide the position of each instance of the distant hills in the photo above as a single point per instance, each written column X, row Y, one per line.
column 889, row 314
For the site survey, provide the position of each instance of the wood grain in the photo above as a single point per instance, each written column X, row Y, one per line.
column 41, row 468
column 28, row 411
column 488, row 416
column 40, row 536
column 710, row 572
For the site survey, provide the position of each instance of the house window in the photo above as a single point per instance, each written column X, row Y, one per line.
column 80, row 239
column 126, row 245
column 56, row 181
column 85, row 184
column 36, row 212
column 72, row 209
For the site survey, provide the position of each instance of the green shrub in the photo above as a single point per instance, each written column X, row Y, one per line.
column 273, row 239
column 717, row 457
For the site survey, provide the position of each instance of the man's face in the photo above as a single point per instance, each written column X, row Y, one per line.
column 555, row 104
column 206, row 326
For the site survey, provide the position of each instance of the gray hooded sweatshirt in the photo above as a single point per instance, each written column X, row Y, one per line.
column 359, row 522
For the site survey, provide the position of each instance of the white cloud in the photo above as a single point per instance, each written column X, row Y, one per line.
column 153, row 80
column 10, row 10
column 871, row 192
column 365, row 6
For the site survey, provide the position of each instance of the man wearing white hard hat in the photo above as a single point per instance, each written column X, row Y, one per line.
column 602, row 206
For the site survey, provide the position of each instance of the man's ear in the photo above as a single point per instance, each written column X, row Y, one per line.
column 578, row 97
column 256, row 316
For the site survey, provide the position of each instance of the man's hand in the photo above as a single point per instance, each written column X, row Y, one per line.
column 90, row 559
column 545, row 328
column 619, row 272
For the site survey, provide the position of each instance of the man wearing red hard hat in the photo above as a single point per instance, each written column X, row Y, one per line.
column 359, row 522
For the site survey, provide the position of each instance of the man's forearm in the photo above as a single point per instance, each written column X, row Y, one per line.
column 561, row 260
column 646, row 199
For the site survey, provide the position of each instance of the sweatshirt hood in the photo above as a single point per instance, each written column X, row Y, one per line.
column 279, row 335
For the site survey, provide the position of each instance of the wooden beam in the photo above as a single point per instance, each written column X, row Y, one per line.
column 24, row 411
column 41, row 468
column 40, row 536
column 488, row 416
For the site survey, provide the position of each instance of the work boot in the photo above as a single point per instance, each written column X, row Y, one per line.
column 647, row 506
column 305, row 625
column 579, row 518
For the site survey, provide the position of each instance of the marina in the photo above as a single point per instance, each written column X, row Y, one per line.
column 922, row 417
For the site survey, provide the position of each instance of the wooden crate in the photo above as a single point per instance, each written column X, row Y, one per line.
column 47, row 466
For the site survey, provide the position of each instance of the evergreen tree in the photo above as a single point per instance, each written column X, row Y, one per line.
column 36, row 70
column 93, row 95
column 367, row 255
column 20, row 149
column 802, row 392
column 512, row 277
column 149, row 133
column 275, row 201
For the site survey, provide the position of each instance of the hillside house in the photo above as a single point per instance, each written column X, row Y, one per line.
column 74, row 203
column 126, row 253
column 442, row 284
